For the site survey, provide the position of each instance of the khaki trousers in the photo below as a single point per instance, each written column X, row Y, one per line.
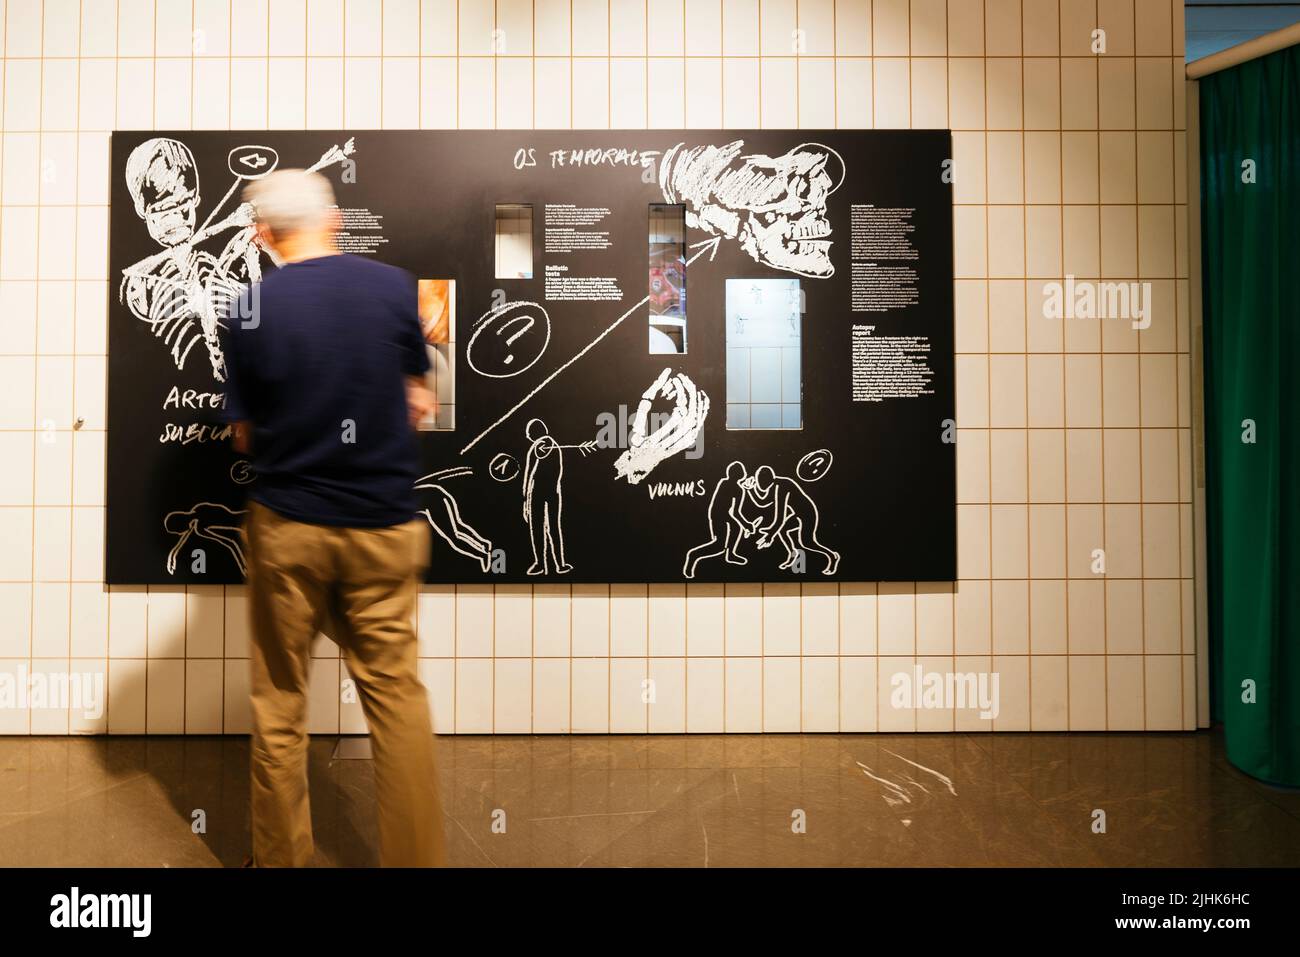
column 359, row 586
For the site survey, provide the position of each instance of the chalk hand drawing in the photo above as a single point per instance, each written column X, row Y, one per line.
column 775, row 207
column 443, row 515
column 544, row 500
column 678, row 432
column 185, row 290
column 335, row 154
column 495, row 354
column 727, row 522
column 210, row 521
column 791, row 515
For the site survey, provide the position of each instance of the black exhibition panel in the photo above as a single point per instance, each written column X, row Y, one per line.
column 586, row 446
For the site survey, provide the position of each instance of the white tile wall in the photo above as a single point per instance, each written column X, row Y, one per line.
column 1074, row 436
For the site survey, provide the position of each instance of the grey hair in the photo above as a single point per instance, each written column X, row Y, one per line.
column 290, row 200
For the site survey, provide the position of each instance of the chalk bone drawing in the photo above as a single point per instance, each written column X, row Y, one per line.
column 775, row 207
column 678, row 431
column 767, row 507
column 207, row 520
column 184, row 291
column 444, row 518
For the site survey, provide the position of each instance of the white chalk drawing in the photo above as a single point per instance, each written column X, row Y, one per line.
column 241, row 473
column 544, row 500
column 792, row 517
column 210, row 521
column 728, row 524
column 496, row 355
column 710, row 245
column 184, row 291
column 444, row 517
column 678, row 432
column 775, row 207
column 503, row 467
column 767, row 507
column 814, row 465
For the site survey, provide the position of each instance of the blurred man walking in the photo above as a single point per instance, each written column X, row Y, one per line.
column 326, row 358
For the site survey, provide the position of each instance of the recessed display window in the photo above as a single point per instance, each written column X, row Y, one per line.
column 667, row 290
column 764, row 354
column 438, row 323
column 514, row 241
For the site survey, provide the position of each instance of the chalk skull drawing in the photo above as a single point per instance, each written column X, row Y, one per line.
column 655, row 437
column 210, row 521
column 184, row 290
column 775, row 207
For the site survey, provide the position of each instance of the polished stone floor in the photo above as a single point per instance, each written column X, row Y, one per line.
column 800, row 800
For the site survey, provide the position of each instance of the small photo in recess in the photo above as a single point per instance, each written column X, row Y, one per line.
column 437, row 299
column 667, row 292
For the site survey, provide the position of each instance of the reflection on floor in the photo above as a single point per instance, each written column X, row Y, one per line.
column 898, row 800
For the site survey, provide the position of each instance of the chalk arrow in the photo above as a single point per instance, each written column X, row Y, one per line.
column 712, row 250
column 584, row 448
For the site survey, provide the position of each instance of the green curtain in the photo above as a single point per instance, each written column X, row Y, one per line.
column 1250, row 129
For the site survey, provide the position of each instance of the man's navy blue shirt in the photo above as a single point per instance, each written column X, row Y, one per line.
column 318, row 368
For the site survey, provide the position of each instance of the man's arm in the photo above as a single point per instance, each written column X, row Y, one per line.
column 420, row 401
column 234, row 409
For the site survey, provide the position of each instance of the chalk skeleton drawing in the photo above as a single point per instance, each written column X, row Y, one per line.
column 766, row 506
column 444, row 518
column 678, row 432
column 184, row 291
column 775, row 207
column 207, row 520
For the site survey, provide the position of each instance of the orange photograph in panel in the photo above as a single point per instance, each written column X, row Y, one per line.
column 437, row 303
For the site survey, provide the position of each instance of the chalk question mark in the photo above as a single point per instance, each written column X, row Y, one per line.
column 528, row 322
column 814, row 465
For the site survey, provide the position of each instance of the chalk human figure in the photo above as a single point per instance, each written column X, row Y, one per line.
column 728, row 525
column 212, row 521
column 443, row 515
column 793, row 517
column 543, row 500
